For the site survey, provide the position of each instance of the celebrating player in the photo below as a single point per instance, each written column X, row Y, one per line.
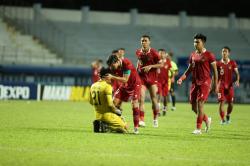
column 199, row 64
column 148, row 62
column 106, row 112
column 131, row 85
column 226, row 67
column 162, row 74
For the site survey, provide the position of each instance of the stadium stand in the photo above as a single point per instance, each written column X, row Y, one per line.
column 16, row 48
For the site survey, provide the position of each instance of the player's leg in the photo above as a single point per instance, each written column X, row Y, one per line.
column 221, row 100
column 230, row 99
column 172, row 97
column 221, row 111
column 115, row 122
column 136, row 115
column 152, row 91
column 141, row 105
column 164, row 95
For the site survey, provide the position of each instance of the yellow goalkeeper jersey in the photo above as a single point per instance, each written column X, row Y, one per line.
column 101, row 97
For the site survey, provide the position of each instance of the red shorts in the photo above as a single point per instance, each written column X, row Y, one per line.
column 126, row 94
column 162, row 89
column 226, row 94
column 199, row 92
column 149, row 79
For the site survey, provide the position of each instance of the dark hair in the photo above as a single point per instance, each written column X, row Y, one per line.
column 171, row 54
column 146, row 36
column 99, row 60
column 122, row 49
column 104, row 71
column 112, row 59
column 226, row 47
column 200, row 36
column 114, row 51
column 161, row 49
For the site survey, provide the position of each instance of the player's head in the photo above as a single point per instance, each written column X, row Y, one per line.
column 162, row 52
column 170, row 55
column 103, row 72
column 121, row 52
column 115, row 52
column 97, row 63
column 145, row 41
column 199, row 41
column 225, row 52
column 113, row 62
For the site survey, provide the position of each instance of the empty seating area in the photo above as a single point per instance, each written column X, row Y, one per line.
column 17, row 48
column 91, row 41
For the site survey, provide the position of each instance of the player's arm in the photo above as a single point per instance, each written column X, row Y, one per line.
column 185, row 75
column 237, row 82
column 90, row 99
column 123, row 79
column 158, row 65
column 108, row 94
column 215, row 77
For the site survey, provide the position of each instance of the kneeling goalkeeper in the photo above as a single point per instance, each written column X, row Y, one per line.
column 108, row 117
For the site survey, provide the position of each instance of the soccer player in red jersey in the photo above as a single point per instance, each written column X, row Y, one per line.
column 131, row 85
column 226, row 68
column 199, row 65
column 162, row 74
column 148, row 62
column 96, row 66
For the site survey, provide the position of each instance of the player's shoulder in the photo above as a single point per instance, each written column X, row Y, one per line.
column 138, row 51
column 233, row 62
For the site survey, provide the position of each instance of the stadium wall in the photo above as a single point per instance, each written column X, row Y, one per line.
column 119, row 18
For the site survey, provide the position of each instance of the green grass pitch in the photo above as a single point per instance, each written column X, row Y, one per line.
column 60, row 133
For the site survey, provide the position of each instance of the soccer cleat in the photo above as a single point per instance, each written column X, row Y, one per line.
column 136, row 130
column 142, row 123
column 164, row 112
column 222, row 122
column 155, row 123
column 228, row 119
column 173, row 108
column 197, row 132
column 208, row 124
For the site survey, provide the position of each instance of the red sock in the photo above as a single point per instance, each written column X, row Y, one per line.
column 199, row 121
column 222, row 115
column 155, row 112
column 205, row 118
column 141, row 115
column 136, row 116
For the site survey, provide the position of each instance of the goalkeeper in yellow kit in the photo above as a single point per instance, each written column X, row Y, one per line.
column 108, row 117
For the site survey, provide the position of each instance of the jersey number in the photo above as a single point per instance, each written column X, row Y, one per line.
column 96, row 97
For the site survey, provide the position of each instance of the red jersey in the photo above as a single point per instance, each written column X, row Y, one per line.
column 134, row 78
column 149, row 58
column 200, row 64
column 162, row 73
column 225, row 72
column 95, row 75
